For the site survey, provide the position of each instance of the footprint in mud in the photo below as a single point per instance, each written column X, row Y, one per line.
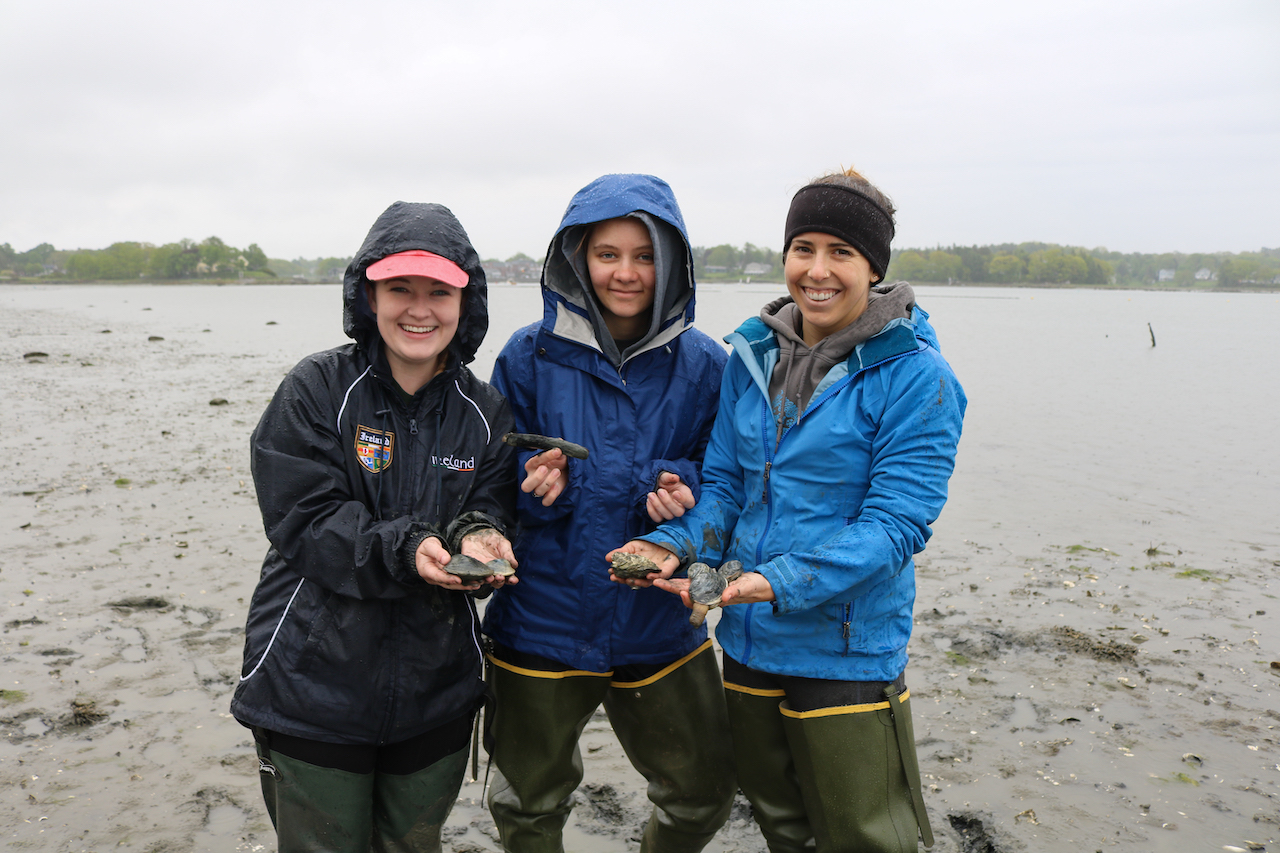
column 603, row 810
column 140, row 602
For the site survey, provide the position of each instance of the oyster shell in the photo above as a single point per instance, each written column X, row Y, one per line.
column 632, row 566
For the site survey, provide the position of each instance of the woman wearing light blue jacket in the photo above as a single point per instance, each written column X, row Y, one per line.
column 835, row 437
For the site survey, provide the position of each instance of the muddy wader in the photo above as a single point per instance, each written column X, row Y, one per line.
column 671, row 724
column 315, row 808
column 835, row 778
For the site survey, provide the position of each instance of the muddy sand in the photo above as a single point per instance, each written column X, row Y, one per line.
column 1068, row 695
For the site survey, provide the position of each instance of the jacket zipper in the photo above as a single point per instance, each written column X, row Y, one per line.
column 770, row 454
column 766, row 427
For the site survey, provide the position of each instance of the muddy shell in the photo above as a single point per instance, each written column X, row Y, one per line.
column 706, row 584
column 731, row 571
column 471, row 569
column 632, row 566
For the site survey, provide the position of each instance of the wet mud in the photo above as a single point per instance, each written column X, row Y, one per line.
column 1067, row 695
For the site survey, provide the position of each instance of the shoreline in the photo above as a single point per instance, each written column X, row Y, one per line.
column 1145, row 288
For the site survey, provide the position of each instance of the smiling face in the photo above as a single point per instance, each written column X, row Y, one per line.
column 830, row 282
column 620, row 262
column 417, row 318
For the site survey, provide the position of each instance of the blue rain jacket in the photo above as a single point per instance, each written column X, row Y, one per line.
column 645, row 410
column 833, row 511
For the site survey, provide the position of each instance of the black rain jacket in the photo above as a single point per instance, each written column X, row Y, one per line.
column 345, row 643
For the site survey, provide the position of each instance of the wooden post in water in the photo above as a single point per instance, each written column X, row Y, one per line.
column 1153, row 334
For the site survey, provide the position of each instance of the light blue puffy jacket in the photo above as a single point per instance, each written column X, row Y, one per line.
column 833, row 512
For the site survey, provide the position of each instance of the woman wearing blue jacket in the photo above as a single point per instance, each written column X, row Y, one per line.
column 835, row 438
column 615, row 365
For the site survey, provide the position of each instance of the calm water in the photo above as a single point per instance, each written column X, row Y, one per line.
column 1078, row 429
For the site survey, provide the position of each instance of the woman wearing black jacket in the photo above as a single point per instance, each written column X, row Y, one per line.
column 373, row 464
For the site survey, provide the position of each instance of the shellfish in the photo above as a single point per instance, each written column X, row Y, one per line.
column 471, row 569
column 707, row 585
column 632, row 566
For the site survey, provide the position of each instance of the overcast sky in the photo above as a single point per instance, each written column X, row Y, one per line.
column 1140, row 126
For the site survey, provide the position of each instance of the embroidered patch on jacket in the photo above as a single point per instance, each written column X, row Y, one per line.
column 373, row 448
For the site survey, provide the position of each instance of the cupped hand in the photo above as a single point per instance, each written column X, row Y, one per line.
column 670, row 498
column 487, row 545
column 676, row 586
column 666, row 562
column 748, row 589
column 431, row 559
column 546, row 475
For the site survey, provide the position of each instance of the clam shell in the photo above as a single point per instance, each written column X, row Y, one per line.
column 706, row 584
column 469, row 568
column 731, row 571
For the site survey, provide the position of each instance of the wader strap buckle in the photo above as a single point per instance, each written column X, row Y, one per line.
column 910, row 765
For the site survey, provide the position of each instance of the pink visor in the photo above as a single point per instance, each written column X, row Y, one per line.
column 418, row 262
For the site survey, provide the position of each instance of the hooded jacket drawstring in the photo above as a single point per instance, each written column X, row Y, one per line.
column 435, row 452
column 377, row 497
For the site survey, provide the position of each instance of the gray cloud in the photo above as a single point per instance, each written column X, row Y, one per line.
column 1143, row 126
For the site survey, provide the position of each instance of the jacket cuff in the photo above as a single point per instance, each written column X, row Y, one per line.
column 418, row 531
column 778, row 573
column 467, row 523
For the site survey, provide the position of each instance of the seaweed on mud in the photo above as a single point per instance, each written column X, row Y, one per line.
column 992, row 644
column 84, row 712
column 1079, row 642
column 973, row 832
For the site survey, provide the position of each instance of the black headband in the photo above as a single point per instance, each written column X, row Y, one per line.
column 845, row 213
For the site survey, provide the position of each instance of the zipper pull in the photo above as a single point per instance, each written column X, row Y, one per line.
column 765, row 496
column 413, row 426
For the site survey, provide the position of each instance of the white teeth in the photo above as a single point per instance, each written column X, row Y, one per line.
column 419, row 330
column 820, row 295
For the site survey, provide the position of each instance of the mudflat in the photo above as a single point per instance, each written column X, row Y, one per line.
column 1068, row 694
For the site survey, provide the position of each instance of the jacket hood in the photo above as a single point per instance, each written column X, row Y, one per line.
column 570, row 308
column 433, row 228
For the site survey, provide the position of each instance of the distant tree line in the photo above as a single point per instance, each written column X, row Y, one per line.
column 730, row 262
column 316, row 269
column 1007, row 263
column 1046, row 263
column 210, row 258
column 1029, row 263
